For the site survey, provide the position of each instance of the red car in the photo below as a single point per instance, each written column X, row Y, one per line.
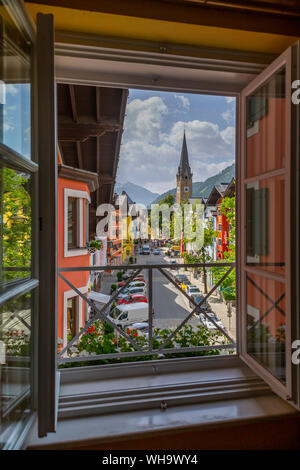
column 130, row 299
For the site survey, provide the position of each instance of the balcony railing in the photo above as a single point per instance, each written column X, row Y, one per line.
column 222, row 339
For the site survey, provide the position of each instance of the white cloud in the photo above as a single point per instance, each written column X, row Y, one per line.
column 230, row 99
column 184, row 101
column 150, row 155
column 227, row 116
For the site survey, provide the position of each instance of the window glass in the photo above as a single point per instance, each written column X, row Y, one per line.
column 266, row 126
column 15, row 87
column 72, row 317
column 15, row 365
column 266, row 320
column 266, row 226
column 72, row 222
column 15, row 225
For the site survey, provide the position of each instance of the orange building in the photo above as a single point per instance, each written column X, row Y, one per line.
column 222, row 226
column 73, row 199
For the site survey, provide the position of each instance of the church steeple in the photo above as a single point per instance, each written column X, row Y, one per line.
column 184, row 166
column 184, row 175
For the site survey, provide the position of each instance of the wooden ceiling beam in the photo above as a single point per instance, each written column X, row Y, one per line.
column 203, row 13
column 73, row 103
column 73, row 132
column 79, row 154
column 98, row 104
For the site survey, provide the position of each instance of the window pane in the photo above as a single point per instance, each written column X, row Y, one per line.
column 72, row 222
column 265, row 233
column 15, row 365
column 266, row 320
column 15, row 87
column 15, row 225
column 266, row 129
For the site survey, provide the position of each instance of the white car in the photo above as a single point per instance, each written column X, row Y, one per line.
column 192, row 290
column 208, row 324
column 132, row 291
column 137, row 283
column 142, row 328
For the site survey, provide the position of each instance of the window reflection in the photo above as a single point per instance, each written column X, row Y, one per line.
column 15, row 225
column 15, row 364
column 265, row 200
column 15, row 88
column 266, row 320
column 266, row 128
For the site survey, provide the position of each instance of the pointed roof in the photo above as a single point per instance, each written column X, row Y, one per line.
column 184, row 158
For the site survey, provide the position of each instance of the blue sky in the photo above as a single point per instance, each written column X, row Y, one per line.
column 16, row 118
column 152, row 138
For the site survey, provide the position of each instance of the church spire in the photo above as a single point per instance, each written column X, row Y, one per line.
column 184, row 166
column 184, row 175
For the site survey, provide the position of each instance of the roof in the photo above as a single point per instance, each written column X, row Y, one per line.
column 90, row 126
column 75, row 174
column 216, row 193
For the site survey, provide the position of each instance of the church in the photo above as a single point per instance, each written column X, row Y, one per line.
column 184, row 176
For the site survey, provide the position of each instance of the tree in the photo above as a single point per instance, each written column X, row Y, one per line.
column 228, row 286
column 16, row 222
column 202, row 254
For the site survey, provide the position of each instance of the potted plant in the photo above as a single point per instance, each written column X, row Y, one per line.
column 113, row 287
column 94, row 245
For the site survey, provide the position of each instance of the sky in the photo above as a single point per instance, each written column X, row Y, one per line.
column 153, row 133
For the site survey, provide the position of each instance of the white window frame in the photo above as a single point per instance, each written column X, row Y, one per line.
column 69, row 294
column 70, row 70
column 81, row 196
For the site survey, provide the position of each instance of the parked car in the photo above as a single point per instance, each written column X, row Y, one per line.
column 198, row 298
column 132, row 291
column 184, row 284
column 142, row 328
column 137, row 283
column 156, row 251
column 129, row 299
column 191, row 289
column 125, row 315
column 128, row 274
column 208, row 324
column 179, row 278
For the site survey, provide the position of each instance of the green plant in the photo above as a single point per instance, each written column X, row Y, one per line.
column 120, row 275
column 113, row 287
column 94, row 245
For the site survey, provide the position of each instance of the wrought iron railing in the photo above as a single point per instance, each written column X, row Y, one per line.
column 102, row 313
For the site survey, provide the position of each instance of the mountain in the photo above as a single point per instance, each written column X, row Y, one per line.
column 203, row 188
column 137, row 193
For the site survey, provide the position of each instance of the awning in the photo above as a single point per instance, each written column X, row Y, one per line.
column 98, row 297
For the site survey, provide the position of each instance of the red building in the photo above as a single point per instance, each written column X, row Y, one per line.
column 221, row 226
column 73, row 198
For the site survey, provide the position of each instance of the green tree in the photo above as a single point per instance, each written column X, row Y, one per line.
column 16, row 222
column 228, row 286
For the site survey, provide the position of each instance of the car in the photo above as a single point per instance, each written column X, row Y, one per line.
column 128, row 274
column 179, row 278
column 141, row 327
column 184, row 284
column 133, row 299
column 137, row 283
column 156, row 251
column 198, row 298
column 208, row 324
column 132, row 291
column 191, row 289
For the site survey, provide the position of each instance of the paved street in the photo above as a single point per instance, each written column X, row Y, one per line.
column 170, row 305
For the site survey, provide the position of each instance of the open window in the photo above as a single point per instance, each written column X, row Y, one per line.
column 267, row 186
